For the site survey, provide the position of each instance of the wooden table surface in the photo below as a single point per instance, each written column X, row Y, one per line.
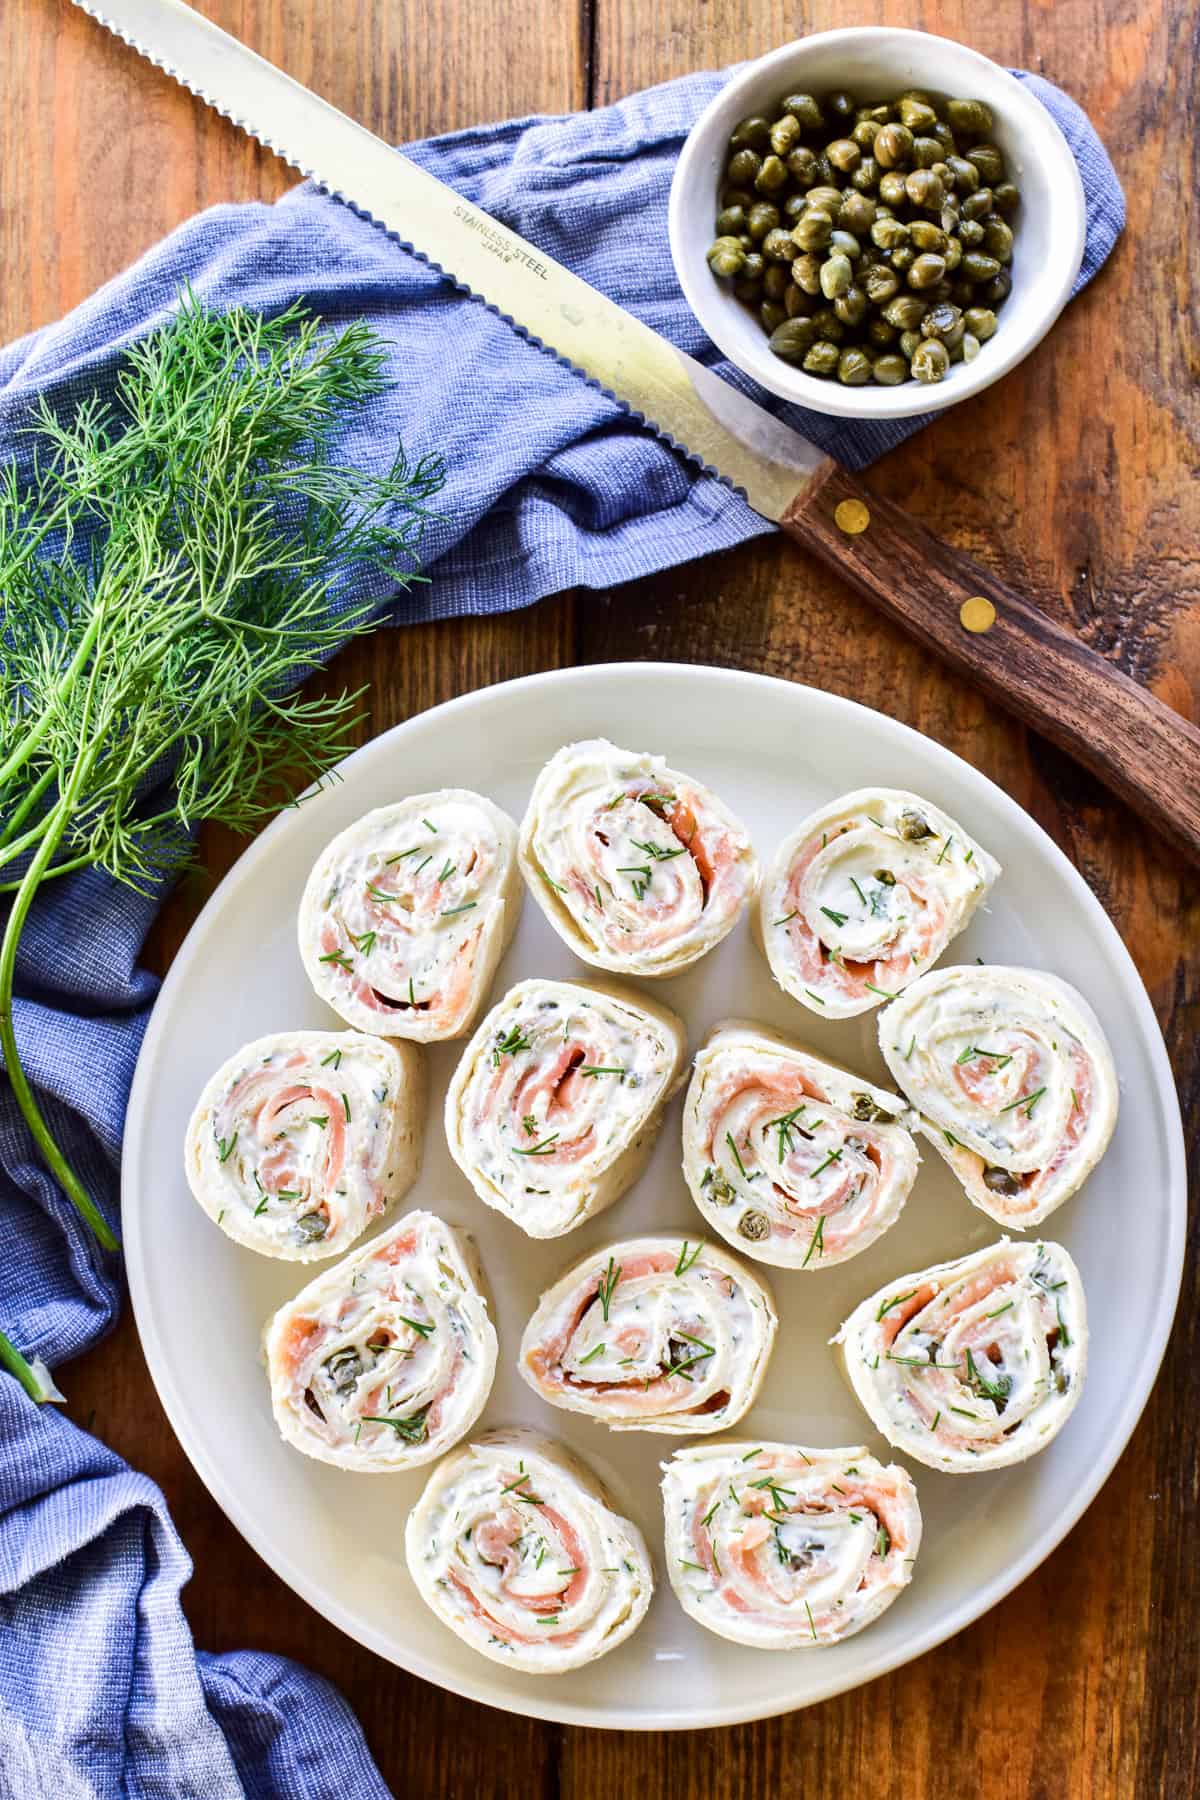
column 1076, row 475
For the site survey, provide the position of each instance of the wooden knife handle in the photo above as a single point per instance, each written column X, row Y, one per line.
column 1144, row 751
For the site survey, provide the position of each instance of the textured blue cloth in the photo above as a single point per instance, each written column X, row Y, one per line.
column 551, row 486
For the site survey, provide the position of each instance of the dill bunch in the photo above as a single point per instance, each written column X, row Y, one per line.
column 173, row 563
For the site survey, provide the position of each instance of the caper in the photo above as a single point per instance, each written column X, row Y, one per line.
column 793, row 339
column 944, row 322
column 926, row 271
column 785, row 134
column 828, row 325
column 864, row 1109
column 980, row 321
column 761, row 218
column 813, row 231
column 793, row 208
column 344, row 1368
column 989, row 160
column 866, row 177
column 889, row 371
column 892, row 146
column 924, row 188
column 845, row 243
column 942, row 132
column 914, row 826
column 888, row 233
column 804, row 108
column 970, row 347
column 753, row 133
column 1000, row 1181
column 885, row 878
column 754, row 1225
column 840, row 106
column 927, row 154
column 902, row 258
column 753, row 266
column 828, row 199
column 880, row 284
column 851, row 306
column 806, row 272
column 731, row 221
column 970, row 116
column 771, row 315
column 927, row 236
column 737, row 196
column 970, row 233
column 822, row 359
column 780, row 247
column 743, row 167
column 905, row 312
column 771, row 176
column 931, row 362
column 836, row 276
column 979, row 204
column 749, row 289
column 796, row 303
column 854, row 368
column 996, row 292
column 916, row 113
column 311, row 1226
column 880, row 334
column 844, row 154
column 963, row 174
column 802, row 166
column 777, row 279
column 910, row 343
column 726, row 257
column 978, row 267
column 856, row 213
column 892, row 190
column 1006, row 197
column 997, row 239
column 865, row 133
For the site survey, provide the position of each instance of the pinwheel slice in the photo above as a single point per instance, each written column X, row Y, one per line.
column 639, row 869
column 791, row 1158
column 973, row 1364
column 866, row 894
column 787, row 1548
column 557, row 1101
column 519, row 1550
column 303, row 1138
column 387, row 1359
column 408, row 911
column 1013, row 1079
column 652, row 1334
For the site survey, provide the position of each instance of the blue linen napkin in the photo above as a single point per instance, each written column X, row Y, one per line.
column 551, row 486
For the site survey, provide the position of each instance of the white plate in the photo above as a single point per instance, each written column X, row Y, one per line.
column 772, row 750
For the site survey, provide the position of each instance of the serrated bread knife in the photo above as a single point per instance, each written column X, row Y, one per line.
column 1144, row 751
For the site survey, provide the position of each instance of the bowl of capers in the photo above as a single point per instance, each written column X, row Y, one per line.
column 876, row 223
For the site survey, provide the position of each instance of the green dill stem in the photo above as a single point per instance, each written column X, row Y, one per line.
column 22, row 811
column 12, row 1360
column 29, row 743
column 62, row 868
column 54, row 1158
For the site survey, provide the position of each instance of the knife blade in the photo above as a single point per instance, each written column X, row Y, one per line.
column 1146, row 752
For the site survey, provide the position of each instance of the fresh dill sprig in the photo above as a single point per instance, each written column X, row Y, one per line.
column 174, row 562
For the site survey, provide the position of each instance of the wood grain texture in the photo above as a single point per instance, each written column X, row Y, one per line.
column 1075, row 478
column 1083, row 701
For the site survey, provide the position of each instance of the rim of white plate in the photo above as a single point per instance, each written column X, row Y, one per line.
column 541, row 1704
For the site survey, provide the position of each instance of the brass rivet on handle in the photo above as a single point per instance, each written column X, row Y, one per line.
column 851, row 516
column 977, row 614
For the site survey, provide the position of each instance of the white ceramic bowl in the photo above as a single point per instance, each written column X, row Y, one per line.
column 876, row 63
